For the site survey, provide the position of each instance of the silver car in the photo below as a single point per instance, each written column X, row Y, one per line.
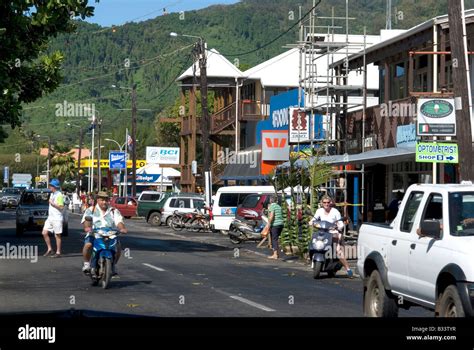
column 32, row 211
column 181, row 204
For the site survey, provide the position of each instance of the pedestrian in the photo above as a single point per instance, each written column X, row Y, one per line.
column 378, row 211
column 275, row 223
column 54, row 222
column 332, row 215
column 394, row 205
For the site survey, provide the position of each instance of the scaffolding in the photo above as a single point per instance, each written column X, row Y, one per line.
column 326, row 91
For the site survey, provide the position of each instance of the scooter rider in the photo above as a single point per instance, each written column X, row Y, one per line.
column 332, row 215
column 103, row 215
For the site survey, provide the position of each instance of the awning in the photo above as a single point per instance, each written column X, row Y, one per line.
column 378, row 156
column 244, row 166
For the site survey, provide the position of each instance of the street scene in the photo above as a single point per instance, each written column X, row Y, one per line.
column 238, row 159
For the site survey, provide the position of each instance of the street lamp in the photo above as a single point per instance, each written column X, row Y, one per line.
column 134, row 135
column 49, row 156
column 95, row 122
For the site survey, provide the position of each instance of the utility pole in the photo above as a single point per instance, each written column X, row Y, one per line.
column 461, row 87
column 99, row 173
column 205, row 115
column 48, row 170
column 78, row 178
column 134, row 137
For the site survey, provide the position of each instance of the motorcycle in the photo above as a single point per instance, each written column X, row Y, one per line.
column 103, row 256
column 242, row 230
column 321, row 250
column 180, row 220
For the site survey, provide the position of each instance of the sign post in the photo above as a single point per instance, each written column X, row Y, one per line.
column 117, row 160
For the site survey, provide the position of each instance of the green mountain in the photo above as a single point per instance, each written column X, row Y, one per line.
column 144, row 53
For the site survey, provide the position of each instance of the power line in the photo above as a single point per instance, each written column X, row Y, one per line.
column 275, row 39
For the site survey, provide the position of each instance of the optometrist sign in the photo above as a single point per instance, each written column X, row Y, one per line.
column 433, row 152
column 436, row 117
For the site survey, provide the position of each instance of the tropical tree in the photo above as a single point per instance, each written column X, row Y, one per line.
column 62, row 166
column 26, row 72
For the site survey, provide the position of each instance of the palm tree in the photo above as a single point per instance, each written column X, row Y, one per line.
column 62, row 166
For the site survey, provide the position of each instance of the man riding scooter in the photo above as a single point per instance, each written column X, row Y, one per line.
column 103, row 216
column 331, row 215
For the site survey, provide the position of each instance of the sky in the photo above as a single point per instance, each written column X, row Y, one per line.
column 117, row 12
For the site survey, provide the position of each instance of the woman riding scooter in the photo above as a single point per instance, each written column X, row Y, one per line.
column 332, row 215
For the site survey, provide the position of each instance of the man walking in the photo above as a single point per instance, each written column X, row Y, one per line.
column 54, row 223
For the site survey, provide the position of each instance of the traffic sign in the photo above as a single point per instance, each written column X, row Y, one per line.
column 434, row 152
column 117, row 160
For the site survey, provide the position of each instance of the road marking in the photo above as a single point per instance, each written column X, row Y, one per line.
column 251, row 303
column 154, row 267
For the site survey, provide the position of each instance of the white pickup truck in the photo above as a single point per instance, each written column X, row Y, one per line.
column 425, row 257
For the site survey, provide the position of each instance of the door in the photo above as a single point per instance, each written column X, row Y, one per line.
column 426, row 254
column 399, row 245
column 130, row 207
column 120, row 205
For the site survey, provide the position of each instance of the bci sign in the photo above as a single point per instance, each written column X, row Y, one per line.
column 162, row 155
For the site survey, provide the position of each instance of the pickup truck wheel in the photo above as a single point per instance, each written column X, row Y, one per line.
column 450, row 304
column 317, row 267
column 154, row 219
column 377, row 302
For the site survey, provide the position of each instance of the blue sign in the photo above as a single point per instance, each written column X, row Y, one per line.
column 117, row 160
column 148, row 177
column 406, row 136
column 279, row 113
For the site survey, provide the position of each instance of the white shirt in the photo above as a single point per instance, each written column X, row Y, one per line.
column 54, row 213
column 333, row 216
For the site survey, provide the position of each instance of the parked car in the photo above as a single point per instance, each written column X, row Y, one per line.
column 10, row 196
column 181, row 203
column 32, row 211
column 425, row 257
column 126, row 205
column 150, row 205
column 252, row 207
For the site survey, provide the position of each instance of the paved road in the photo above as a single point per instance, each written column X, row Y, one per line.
column 168, row 274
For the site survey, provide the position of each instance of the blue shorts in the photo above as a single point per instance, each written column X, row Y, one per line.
column 89, row 239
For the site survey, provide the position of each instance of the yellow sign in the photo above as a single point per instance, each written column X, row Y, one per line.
column 104, row 163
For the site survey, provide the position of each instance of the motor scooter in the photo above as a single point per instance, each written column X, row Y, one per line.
column 104, row 250
column 322, row 251
column 242, row 230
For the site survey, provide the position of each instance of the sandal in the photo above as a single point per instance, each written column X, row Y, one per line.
column 272, row 257
column 49, row 252
column 56, row 255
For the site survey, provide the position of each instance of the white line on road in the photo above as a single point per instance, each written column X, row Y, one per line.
column 154, row 267
column 251, row 303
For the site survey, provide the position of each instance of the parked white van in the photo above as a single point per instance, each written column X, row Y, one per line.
column 226, row 201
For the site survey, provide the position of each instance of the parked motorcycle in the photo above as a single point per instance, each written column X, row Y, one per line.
column 180, row 220
column 242, row 230
column 103, row 256
column 322, row 252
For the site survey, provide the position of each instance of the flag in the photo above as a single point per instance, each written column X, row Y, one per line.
column 129, row 143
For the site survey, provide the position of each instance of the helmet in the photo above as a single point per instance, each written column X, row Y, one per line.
column 55, row 183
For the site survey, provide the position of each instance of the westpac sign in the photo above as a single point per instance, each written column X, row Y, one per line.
column 162, row 155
